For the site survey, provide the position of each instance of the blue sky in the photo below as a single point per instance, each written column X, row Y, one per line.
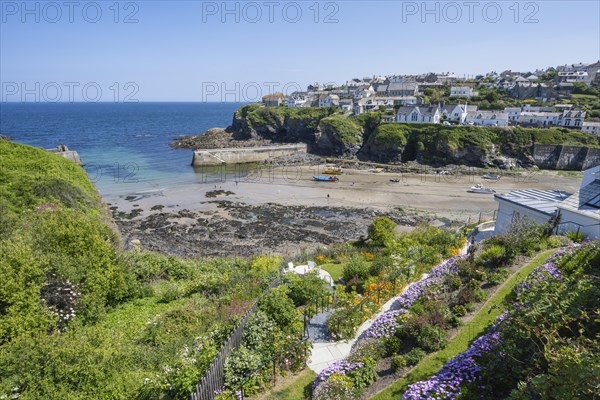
column 197, row 51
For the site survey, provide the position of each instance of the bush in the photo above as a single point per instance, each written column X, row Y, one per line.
column 367, row 348
column 414, row 356
column 355, row 268
column 459, row 310
column 279, row 307
column 577, row 237
column 380, row 264
column 393, row 345
column 492, row 256
column 365, row 375
column 242, row 364
column 453, row 282
column 382, row 232
column 398, row 362
column 335, row 388
column 307, row 288
column 497, row 277
column 431, row 338
column 558, row 241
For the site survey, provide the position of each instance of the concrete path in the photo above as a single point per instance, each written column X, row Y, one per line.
column 325, row 353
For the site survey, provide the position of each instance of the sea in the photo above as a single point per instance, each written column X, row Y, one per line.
column 124, row 146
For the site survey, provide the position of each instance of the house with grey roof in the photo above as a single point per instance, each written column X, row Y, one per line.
column 576, row 212
column 487, row 118
column 572, row 118
column 456, row 112
column 419, row 115
column 591, row 127
column 535, row 205
column 402, row 89
column 581, row 211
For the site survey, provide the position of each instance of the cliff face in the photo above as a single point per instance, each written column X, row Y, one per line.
column 324, row 132
column 328, row 133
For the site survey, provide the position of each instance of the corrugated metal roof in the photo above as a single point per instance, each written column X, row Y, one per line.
column 545, row 201
column 586, row 201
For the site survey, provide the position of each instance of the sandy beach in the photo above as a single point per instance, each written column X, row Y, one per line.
column 299, row 212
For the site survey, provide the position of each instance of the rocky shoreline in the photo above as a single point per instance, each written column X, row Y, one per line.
column 234, row 229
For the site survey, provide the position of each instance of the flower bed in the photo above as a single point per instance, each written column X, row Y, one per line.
column 386, row 324
column 446, row 384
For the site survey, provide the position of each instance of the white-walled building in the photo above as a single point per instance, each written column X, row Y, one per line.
column 487, row 118
column 535, row 205
column 329, row 100
column 572, row 118
column 591, row 127
column 462, row 91
column 456, row 112
column 581, row 211
column 513, row 113
column 418, row 115
column 539, row 118
column 578, row 212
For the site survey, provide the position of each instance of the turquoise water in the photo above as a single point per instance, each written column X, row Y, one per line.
column 124, row 146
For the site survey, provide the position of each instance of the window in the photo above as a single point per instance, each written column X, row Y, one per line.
column 414, row 116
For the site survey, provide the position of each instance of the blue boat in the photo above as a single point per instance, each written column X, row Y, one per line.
column 321, row 178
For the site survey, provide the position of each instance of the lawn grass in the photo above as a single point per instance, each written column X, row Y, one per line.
column 295, row 387
column 484, row 317
column 336, row 270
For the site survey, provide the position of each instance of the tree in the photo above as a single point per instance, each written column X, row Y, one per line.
column 382, row 232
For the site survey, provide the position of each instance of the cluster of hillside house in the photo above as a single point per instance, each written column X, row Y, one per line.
column 405, row 94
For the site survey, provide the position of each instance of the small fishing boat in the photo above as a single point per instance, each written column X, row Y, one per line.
column 395, row 180
column 479, row 188
column 332, row 171
column 320, row 178
column 491, row 177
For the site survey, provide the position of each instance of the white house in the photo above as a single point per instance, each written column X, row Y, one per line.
column 462, row 91
column 572, row 118
column 487, row 118
column 513, row 113
column 578, row 212
column 539, row 118
column 419, row 114
column 591, row 127
column 535, row 205
column 581, row 211
column 296, row 101
column 329, row 100
column 456, row 112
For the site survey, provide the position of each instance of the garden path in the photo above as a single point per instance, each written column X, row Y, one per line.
column 326, row 352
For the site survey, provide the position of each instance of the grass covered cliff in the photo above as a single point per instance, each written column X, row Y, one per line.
column 328, row 132
column 79, row 317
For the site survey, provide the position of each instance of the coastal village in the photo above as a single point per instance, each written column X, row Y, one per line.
column 556, row 96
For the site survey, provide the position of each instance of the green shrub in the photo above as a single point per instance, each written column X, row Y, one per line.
column 306, row 289
column 459, row 310
column 558, row 241
column 492, row 256
column 380, row 264
column 453, row 282
column 367, row 348
column 279, row 307
column 355, row 268
column 398, row 362
column 393, row 345
column 335, row 388
column 431, row 338
column 382, row 232
column 365, row 375
column 414, row 356
column 577, row 237
column 241, row 367
column 497, row 277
